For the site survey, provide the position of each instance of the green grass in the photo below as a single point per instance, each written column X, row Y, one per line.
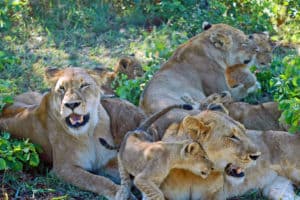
column 40, row 186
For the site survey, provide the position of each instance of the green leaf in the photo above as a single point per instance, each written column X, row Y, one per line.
column 34, row 160
column 2, row 164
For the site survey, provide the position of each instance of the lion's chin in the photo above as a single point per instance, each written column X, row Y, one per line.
column 76, row 121
column 234, row 171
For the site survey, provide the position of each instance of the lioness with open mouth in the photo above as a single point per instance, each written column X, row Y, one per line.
column 67, row 122
column 277, row 170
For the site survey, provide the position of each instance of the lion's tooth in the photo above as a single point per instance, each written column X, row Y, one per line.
column 72, row 121
column 81, row 119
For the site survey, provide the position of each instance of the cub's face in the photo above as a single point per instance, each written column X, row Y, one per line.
column 264, row 52
column 196, row 159
column 75, row 99
column 130, row 66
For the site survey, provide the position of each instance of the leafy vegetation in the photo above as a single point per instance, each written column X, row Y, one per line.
column 15, row 154
column 286, row 90
column 38, row 34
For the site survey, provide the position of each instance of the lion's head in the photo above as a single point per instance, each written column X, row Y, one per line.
column 224, row 140
column 75, row 97
column 264, row 49
column 235, row 46
column 130, row 66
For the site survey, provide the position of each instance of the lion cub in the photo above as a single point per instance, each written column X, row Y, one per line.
column 240, row 80
column 151, row 162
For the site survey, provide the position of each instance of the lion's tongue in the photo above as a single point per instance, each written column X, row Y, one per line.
column 238, row 170
column 74, row 118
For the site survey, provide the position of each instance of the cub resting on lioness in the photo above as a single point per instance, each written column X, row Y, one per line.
column 226, row 144
column 150, row 162
column 67, row 122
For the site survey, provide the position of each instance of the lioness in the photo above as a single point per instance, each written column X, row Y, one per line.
column 226, row 144
column 67, row 123
column 277, row 169
column 150, row 162
column 264, row 116
column 196, row 68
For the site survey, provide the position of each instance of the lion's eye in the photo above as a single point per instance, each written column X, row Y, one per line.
column 234, row 138
column 61, row 88
column 84, row 85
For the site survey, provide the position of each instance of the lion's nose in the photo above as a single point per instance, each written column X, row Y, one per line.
column 72, row 105
column 254, row 156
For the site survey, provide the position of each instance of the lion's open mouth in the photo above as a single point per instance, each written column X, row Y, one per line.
column 235, row 171
column 76, row 121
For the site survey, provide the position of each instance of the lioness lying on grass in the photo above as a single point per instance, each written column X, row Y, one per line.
column 67, row 122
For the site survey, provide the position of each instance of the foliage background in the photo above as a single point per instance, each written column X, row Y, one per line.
column 44, row 33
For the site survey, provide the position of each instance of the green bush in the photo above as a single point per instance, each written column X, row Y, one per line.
column 13, row 12
column 15, row 154
column 286, row 91
column 158, row 47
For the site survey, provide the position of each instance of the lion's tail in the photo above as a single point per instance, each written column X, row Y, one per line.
column 147, row 123
column 108, row 146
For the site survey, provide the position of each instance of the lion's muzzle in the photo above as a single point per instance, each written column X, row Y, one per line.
column 75, row 120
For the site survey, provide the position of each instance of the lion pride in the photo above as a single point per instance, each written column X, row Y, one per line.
column 67, row 122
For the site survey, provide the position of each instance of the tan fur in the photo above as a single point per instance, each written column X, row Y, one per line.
column 74, row 151
column 128, row 65
column 197, row 68
column 264, row 116
column 151, row 162
column 239, row 76
column 264, row 52
column 275, row 171
column 223, row 139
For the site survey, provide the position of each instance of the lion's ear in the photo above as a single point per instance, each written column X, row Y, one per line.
column 195, row 128
column 190, row 149
column 100, row 75
column 206, row 25
column 221, row 41
column 52, row 74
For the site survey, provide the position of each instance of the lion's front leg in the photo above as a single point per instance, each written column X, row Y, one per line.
column 149, row 189
column 87, row 181
column 124, row 192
